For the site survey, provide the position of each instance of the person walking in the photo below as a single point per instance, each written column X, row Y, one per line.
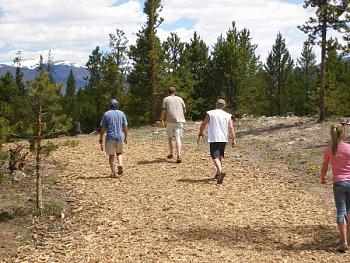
column 338, row 154
column 115, row 124
column 220, row 127
column 173, row 111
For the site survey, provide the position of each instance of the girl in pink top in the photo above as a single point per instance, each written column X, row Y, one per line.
column 339, row 156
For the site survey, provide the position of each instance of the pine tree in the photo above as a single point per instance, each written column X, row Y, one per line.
column 152, row 9
column 278, row 76
column 19, row 73
column 306, row 75
column 235, row 66
column 329, row 15
column 94, row 66
column 50, row 66
column 119, row 47
column 144, row 77
column 194, row 72
column 70, row 85
column 50, row 120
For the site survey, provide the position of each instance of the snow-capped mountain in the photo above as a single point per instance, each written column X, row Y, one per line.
column 61, row 70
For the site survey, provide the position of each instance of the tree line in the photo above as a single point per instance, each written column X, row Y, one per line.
column 138, row 75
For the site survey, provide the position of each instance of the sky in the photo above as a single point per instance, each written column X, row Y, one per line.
column 73, row 28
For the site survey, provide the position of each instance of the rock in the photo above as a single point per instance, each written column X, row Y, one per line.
column 19, row 176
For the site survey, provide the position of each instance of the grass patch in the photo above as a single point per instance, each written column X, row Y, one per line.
column 48, row 148
column 71, row 143
column 53, row 207
column 52, row 180
column 2, row 177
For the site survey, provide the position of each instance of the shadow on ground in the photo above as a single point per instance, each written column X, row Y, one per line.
column 265, row 238
column 94, row 177
column 197, row 181
column 157, row 160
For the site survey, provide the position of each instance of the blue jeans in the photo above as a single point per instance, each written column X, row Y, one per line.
column 342, row 200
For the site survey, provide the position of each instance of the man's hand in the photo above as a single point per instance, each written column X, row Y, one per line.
column 200, row 136
column 101, row 143
column 323, row 180
column 126, row 140
column 233, row 143
column 162, row 123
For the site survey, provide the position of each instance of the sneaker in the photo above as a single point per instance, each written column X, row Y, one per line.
column 179, row 159
column 341, row 248
column 120, row 170
column 221, row 178
column 113, row 175
column 170, row 156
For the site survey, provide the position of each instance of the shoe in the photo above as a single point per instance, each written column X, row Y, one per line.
column 179, row 159
column 217, row 176
column 342, row 248
column 113, row 175
column 120, row 170
column 221, row 178
column 170, row 156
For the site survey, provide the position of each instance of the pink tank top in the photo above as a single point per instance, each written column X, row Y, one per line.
column 340, row 162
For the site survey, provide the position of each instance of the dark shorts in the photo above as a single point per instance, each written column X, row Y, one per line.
column 217, row 149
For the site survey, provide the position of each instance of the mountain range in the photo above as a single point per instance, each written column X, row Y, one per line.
column 61, row 70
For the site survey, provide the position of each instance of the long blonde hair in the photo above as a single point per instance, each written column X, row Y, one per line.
column 337, row 134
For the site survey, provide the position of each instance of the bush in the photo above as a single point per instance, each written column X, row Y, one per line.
column 53, row 207
column 71, row 143
column 2, row 177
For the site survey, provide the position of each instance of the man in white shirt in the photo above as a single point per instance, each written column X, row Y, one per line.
column 173, row 110
column 220, row 127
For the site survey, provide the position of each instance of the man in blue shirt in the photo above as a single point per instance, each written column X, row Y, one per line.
column 115, row 124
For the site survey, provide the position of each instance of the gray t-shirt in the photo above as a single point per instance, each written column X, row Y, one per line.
column 174, row 107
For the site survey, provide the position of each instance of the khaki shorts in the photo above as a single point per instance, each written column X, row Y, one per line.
column 174, row 129
column 113, row 148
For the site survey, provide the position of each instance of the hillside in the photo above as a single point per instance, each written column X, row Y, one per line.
column 61, row 70
column 270, row 208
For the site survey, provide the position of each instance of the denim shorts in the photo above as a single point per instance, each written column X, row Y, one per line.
column 217, row 149
column 341, row 192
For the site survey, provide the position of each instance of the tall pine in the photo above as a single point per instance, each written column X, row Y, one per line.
column 329, row 14
column 278, row 75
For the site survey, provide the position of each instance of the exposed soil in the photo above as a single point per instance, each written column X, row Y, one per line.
column 270, row 208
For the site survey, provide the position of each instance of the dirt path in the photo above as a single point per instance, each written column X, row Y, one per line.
column 161, row 211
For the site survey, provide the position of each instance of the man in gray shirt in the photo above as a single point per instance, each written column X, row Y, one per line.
column 173, row 110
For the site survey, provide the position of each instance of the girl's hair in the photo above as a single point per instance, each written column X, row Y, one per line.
column 337, row 134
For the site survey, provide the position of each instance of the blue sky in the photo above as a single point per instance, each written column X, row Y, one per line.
column 72, row 29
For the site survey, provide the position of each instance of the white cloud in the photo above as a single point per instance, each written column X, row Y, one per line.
column 73, row 28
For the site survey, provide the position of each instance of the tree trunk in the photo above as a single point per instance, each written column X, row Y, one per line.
column 39, row 204
column 153, row 59
column 323, row 71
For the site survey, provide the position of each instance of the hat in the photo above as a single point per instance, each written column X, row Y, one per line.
column 221, row 101
column 114, row 103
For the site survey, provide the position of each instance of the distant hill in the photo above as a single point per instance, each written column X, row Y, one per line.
column 61, row 71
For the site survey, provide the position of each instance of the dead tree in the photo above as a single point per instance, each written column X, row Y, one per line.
column 17, row 158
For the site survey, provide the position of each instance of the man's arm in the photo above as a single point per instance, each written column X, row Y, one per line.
column 102, row 132
column 232, row 132
column 162, row 115
column 202, row 127
column 125, row 130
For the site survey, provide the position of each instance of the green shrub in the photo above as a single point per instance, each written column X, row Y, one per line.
column 53, row 207
column 48, row 148
column 71, row 143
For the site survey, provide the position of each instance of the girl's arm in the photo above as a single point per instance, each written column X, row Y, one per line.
column 324, row 171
